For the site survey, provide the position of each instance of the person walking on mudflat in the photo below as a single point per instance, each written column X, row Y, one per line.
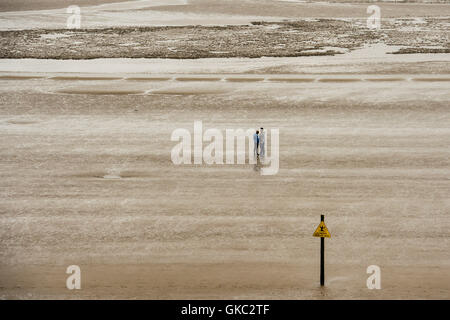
column 262, row 142
column 256, row 143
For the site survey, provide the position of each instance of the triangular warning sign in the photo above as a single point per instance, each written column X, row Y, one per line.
column 322, row 231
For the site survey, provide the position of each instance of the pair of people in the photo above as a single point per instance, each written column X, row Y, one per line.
column 259, row 139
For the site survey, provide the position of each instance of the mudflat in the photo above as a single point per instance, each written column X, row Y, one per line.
column 85, row 148
column 88, row 180
column 260, row 39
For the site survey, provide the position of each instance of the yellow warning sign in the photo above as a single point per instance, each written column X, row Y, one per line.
column 322, row 231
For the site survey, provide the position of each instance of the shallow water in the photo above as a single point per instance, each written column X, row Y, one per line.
column 198, row 12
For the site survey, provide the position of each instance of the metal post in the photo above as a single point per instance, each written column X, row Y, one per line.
column 322, row 257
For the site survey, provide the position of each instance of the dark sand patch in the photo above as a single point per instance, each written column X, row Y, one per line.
column 20, row 77
column 339, row 80
column 244, row 79
column 148, row 79
column 431, row 79
column 384, row 79
column 20, row 122
column 188, row 91
column 87, row 175
column 70, row 78
column 100, row 91
column 291, row 79
column 135, row 174
column 197, row 79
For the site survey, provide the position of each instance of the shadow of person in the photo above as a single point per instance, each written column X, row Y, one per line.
column 257, row 166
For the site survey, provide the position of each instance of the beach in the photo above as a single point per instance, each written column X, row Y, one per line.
column 88, row 180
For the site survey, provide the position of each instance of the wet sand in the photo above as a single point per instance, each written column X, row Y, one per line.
column 87, row 177
column 88, row 180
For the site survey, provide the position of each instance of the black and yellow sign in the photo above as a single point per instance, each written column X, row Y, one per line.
column 322, row 231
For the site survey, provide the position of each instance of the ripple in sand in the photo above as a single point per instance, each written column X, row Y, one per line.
column 69, row 78
column 20, row 77
column 188, row 91
column 291, row 79
column 244, row 79
column 339, row 80
column 384, row 79
column 97, row 175
column 431, row 79
column 148, row 79
column 21, row 122
column 197, row 79
column 100, row 91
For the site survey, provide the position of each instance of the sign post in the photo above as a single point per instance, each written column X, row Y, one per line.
column 322, row 232
column 322, row 259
